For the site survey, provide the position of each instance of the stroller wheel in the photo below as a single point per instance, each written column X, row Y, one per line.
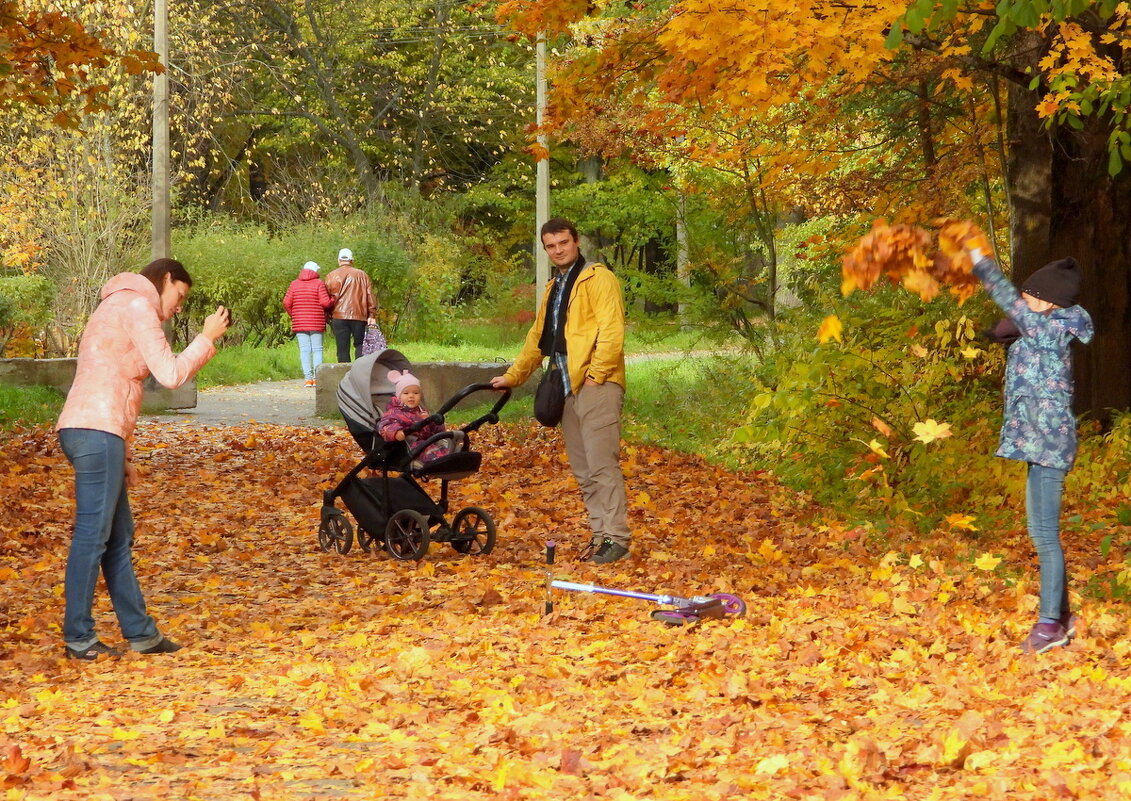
column 335, row 532
column 473, row 531
column 732, row 604
column 364, row 539
column 406, row 535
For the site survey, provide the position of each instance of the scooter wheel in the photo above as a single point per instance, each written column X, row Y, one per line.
column 732, row 604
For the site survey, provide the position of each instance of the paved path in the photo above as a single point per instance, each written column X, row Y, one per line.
column 279, row 402
column 289, row 402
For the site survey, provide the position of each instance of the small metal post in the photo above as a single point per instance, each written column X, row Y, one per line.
column 551, row 547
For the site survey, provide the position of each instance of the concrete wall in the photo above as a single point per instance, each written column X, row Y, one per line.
column 59, row 373
column 438, row 380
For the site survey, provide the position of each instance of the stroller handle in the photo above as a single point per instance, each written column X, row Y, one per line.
column 491, row 416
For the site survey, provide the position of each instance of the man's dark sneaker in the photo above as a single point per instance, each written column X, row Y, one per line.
column 587, row 552
column 93, row 652
column 166, row 646
column 1068, row 621
column 609, row 552
column 1043, row 637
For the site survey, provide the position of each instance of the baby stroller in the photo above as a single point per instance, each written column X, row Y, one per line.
column 393, row 507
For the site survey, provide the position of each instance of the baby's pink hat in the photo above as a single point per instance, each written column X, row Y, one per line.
column 402, row 380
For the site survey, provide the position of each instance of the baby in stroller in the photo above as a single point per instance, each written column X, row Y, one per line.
column 402, row 448
column 406, row 409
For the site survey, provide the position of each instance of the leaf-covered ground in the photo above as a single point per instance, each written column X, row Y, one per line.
column 859, row 671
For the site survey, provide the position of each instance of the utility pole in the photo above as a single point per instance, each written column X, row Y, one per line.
column 542, row 183
column 682, row 250
column 160, row 214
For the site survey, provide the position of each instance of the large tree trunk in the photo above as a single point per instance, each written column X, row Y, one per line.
column 1065, row 204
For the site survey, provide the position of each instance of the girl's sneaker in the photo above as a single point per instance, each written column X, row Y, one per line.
column 1044, row 637
column 1068, row 621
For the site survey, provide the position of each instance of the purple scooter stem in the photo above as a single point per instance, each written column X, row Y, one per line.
column 687, row 610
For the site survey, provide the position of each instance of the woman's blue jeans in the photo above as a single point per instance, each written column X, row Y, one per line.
column 102, row 540
column 309, row 352
column 1043, row 490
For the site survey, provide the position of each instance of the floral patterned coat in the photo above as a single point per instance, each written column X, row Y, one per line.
column 1039, row 426
column 398, row 417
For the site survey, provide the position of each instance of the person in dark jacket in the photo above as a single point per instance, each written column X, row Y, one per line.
column 307, row 302
column 1039, row 427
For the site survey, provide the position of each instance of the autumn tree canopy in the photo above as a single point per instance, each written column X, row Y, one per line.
column 1017, row 118
column 49, row 59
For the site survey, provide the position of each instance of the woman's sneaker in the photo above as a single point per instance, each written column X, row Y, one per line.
column 1043, row 637
column 166, row 646
column 93, row 652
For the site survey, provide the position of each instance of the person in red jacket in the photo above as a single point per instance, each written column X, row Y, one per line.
column 307, row 302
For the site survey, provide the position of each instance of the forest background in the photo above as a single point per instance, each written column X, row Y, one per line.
column 720, row 159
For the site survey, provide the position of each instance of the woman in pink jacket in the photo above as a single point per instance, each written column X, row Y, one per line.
column 122, row 344
column 307, row 302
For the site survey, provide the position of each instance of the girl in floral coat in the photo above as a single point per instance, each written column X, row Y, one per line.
column 1039, row 427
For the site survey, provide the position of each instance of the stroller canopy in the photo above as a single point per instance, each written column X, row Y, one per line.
column 366, row 388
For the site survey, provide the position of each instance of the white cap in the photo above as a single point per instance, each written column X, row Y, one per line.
column 311, row 265
column 345, row 253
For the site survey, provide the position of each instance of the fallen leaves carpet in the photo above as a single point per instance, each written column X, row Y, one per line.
column 862, row 670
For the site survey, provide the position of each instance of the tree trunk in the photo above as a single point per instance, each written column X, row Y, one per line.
column 1064, row 203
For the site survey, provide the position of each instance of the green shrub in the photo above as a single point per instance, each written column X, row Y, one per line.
column 839, row 420
column 415, row 274
column 25, row 305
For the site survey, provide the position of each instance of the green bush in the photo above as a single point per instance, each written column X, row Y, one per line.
column 246, row 268
column 25, row 304
column 839, row 419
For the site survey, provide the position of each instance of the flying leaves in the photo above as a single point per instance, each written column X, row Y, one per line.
column 912, row 257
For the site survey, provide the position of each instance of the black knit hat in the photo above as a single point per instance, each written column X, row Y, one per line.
column 1058, row 282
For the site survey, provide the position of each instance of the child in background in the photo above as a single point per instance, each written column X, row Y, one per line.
column 1039, row 427
column 407, row 408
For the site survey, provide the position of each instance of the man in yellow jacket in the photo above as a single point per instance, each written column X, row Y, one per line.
column 580, row 326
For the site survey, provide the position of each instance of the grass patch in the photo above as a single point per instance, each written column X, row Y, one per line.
column 689, row 404
column 241, row 364
column 28, row 406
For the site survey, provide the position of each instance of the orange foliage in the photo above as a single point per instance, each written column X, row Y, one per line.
column 49, row 59
column 857, row 673
column 908, row 255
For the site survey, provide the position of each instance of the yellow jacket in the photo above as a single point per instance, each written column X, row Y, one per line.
column 594, row 331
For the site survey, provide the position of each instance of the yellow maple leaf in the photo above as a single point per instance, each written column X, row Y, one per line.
column 987, row 561
column 831, row 328
column 878, row 449
column 312, row 721
column 928, row 431
column 964, row 522
column 915, row 561
column 771, row 765
column 971, row 352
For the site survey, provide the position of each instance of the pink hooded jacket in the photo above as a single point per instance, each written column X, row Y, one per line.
column 122, row 344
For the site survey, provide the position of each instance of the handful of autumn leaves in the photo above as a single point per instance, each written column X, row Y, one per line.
column 909, row 255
